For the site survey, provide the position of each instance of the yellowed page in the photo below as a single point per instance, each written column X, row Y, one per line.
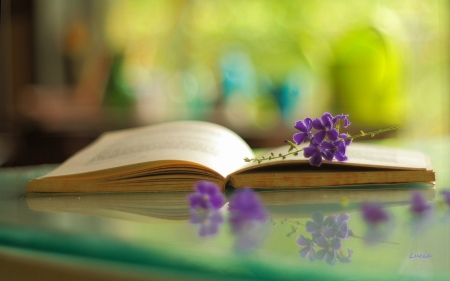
column 203, row 143
column 360, row 155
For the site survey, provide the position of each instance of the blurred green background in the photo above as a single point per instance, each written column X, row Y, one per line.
column 74, row 69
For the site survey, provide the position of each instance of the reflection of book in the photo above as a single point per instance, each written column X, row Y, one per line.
column 303, row 202
column 137, row 206
column 172, row 156
column 173, row 206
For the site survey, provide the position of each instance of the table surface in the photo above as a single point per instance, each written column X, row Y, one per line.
column 148, row 235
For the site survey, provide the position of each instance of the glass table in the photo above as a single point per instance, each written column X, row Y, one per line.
column 140, row 236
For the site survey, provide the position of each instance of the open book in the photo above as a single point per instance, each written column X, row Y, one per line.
column 173, row 156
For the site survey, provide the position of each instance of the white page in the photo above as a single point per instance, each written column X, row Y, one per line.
column 204, row 143
column 361, row 155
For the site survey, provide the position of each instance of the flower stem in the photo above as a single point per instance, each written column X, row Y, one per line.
column 372, row 134
column 293, row 150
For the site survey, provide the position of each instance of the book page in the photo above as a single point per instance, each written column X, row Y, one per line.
column 203, row 143
column 359, row 155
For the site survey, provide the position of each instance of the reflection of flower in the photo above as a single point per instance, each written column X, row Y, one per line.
column 315, row 227
column 446, row 194
column 329, row 249
column 379, row 223
column 419, row 204
column 209, row 221
column 420, row 222
column 247, row 219
column 327, row 234
column 342, row 230
column 373, row 213
column 345, row 259
column 332, row 226
column 308, row 251
column 245, row 206
column 207, row 196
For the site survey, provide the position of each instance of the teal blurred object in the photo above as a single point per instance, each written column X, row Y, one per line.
column 238, row 74
column 366, row 79
column 246, row 104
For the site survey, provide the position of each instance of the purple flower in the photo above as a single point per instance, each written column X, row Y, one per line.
column 419, row 204
column 316, row 151
column 207, row 196
column 325, row 128
column 304, row 127
column 373, row 213
column 342, row 117
column 209, row 221
column 308, row 251
column 329, row 248
column 446, row 194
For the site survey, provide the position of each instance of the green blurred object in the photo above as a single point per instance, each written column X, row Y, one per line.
column 366, row 79
column 118, row 93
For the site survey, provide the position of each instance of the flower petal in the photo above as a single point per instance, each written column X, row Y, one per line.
column 330, row 220
column 316, row 160
column 327, row 120
column 333, row 134
column 342, row 218
column 319, row 136
column 340, row 157
column 300, row 137
column 317, row 124
column 301, row 126
column 348, row 142
column 317, row 217
column 217, row 200
column 310, row 151
column 303, row 241
column 320, row 255
column 335, row 244
column 330, row 257
column 329, row 232
column 312, row 227
column 322, row 242
column 343, row 231
column 307, row 252
column 216, row 217
column 326, row 145
column 327, row 155
column 195, row 200
column 446, row 194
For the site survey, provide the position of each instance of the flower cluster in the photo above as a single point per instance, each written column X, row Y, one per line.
column 327, row 235
column 324, row 139
column 326, row 142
